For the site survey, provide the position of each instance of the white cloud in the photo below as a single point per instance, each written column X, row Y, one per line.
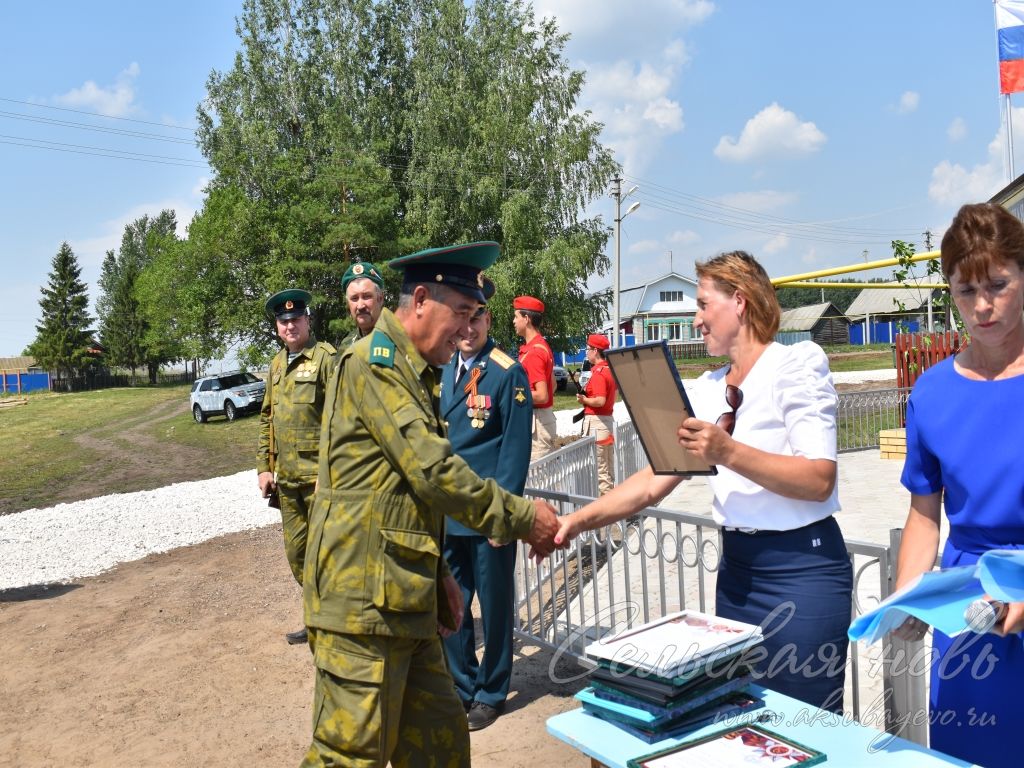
column 644, row 246
column 776, row 243
column 760, row 201
column 957, row 129
column 91, row 250
column 683, row 237
column 116, row 100
column 952, row 184
column 908, row 102
column 810, row 256
column 634, row 103
column 771, row 132
column 586, row 20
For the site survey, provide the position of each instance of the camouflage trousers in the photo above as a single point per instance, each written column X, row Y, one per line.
column 296, row 502
column 381, row 698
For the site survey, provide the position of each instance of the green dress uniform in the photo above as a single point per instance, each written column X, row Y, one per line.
column 489, row 414
column 372, row 584
column 294, row 400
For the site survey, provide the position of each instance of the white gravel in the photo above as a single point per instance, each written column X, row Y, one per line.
column 84, row 538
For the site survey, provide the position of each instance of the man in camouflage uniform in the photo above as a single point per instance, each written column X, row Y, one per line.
column 377, row 590
column 292, row 407
column 363, row 287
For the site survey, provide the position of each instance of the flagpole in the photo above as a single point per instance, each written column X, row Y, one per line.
column 1009, row 136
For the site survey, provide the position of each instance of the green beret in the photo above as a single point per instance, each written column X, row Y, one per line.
column 359, row 270
column 288, row 304
column 457, row 266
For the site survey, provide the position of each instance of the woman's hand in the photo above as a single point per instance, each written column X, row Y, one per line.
column 1013, row 621
column 708, row 441
column 911, row 630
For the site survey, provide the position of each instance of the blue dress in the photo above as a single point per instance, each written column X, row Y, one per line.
column 964, row 437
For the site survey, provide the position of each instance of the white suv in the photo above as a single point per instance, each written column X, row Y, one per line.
column 228, row 393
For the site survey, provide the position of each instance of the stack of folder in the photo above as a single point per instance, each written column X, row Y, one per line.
column 672, row 676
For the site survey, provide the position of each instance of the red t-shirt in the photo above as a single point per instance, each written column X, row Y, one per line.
column 601, row 383
column 539, row 363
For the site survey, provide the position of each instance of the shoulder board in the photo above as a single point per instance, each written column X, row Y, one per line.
column 500, row 358
column 327, row 347
column 382, row 350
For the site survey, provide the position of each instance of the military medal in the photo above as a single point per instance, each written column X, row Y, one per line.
column 477, row 405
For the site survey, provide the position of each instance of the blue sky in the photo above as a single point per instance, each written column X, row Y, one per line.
column 740, row 122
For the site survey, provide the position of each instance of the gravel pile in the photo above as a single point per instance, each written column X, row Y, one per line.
column 70, row 541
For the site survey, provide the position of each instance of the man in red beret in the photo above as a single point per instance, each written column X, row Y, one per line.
column 598, row 400
column 538, row 361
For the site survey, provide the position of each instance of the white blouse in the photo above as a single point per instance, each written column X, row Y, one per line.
column 789, row 408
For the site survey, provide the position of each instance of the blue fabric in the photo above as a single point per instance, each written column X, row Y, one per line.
column 499, row 448
column 797, row 586
column 964, row 438
column 1011, row 43
column 489, row 572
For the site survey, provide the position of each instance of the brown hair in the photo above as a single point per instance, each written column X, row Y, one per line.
column 739, row 271
column 981, row 235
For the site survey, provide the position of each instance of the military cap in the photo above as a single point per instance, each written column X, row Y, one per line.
column 458, row 266
column 528, row 303
column 288, row 304
column 489, row 288
column 598, row 341
column 359, row 270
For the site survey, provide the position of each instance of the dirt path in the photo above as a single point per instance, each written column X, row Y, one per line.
column 179, row 660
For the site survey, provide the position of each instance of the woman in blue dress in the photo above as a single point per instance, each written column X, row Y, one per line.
column 965, row 419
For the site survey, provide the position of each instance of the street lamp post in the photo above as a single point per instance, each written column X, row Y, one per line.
column 619, row 216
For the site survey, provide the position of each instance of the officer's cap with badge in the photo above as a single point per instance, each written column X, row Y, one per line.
column 459, row 267
column 288, row 304
column 359, row 270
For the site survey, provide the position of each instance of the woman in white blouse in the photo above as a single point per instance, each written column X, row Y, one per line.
column 784, row 564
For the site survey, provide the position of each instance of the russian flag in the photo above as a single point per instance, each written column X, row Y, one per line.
column 1010, row 23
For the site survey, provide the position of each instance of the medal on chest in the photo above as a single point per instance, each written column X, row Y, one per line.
column 478, row 407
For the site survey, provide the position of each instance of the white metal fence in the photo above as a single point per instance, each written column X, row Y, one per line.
column 629, row 573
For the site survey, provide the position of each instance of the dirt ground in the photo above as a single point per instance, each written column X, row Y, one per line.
column 179, row 660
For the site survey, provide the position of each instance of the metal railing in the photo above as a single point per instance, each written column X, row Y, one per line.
column 631, row 572
column 861, row 415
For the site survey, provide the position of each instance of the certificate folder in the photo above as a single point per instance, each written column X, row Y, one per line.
column 657, row 403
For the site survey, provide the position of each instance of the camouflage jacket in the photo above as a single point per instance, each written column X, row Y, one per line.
column 295, row 392
column 387, row 479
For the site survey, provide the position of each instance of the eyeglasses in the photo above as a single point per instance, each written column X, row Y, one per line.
column 734, row 399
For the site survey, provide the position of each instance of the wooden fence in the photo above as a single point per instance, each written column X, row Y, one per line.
column 917, row 352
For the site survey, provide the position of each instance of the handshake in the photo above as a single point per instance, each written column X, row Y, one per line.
column 549, row 532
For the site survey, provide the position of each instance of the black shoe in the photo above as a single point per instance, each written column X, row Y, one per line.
column 299, row 637
column 481, row 715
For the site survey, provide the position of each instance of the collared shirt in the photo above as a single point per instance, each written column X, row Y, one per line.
column 789, row 408
column 601, row 384
column 539, row 362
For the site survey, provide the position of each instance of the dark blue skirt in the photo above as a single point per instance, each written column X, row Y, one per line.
column 798, row 586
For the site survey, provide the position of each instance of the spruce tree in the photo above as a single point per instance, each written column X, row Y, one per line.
column 63, row 335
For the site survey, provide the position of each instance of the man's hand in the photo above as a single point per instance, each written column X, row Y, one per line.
column 545, row 526
column 455, row 604
column 267, row 484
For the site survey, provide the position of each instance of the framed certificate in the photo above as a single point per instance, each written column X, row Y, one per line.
column 654, row 396
column 744, row 746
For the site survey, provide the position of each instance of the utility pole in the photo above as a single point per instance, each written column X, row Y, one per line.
column 927, row 240
column 619, row 216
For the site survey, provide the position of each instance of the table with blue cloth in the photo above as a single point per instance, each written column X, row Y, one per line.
column 846, row 743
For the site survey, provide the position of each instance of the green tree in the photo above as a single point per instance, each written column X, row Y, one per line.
column 131, row 328
column 63, row 336
column 364, row 130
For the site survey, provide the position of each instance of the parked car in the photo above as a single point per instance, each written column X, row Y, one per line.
column 561, row 378
column 227, row 394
